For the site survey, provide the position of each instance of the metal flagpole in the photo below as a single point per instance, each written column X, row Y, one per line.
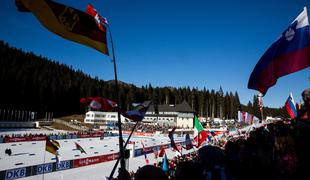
column 116, row 163
column 262, row 114
column 260, row 95
column 44, row 160
column 121, row 147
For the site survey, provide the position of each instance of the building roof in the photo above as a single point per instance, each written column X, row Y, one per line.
column 183, row 107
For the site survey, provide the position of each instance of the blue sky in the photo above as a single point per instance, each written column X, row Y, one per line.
column 195, row 43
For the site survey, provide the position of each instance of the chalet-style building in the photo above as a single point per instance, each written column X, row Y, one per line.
column 180, row 115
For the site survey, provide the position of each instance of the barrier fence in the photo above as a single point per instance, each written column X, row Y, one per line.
column 8, row 139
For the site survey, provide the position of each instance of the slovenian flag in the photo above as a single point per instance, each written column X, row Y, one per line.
column 290, row 106
column 290, row 53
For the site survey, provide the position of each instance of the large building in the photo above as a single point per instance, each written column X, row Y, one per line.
column 104, row 119
column 180, row 115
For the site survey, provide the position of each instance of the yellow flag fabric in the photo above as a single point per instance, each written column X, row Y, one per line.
column 50, row 147
column 67, row 22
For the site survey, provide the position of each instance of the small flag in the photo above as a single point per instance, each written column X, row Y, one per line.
column 155, row 151
column 290, row 106
column 188, row 143
column 67, row 22
column 165, row 165
column 138, row 113
column 162, row 152
column 245, row 117
column 249, row 118
column 145, row 157
column 99, row 20
column 200, row 135
column 170, row 135
column 290, row 53
column 78, row 147
column 99, row 103
column 51, row 147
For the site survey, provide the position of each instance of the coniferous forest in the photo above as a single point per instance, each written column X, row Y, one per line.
column 35, row 83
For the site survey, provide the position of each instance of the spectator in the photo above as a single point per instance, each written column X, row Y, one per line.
column 304, row 113
column 150, row 172
column 189, row 170
column 8, row 151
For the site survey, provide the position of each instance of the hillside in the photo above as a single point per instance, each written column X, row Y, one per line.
column 35, row 83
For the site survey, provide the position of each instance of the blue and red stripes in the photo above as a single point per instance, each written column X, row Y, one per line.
column 290, row 53
column 290, row 107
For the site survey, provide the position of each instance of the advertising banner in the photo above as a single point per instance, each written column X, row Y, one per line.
column 15, row 173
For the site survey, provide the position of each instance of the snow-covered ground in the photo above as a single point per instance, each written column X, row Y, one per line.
column 9, row 132
column 33, row 153
column 100, row 171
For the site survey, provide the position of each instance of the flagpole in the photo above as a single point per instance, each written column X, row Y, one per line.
column 262, row 114
column 44, row 160
column 121, row 147
column 261, row 105
column 115, row 165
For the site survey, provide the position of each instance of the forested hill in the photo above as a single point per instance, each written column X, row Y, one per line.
column 32, row 82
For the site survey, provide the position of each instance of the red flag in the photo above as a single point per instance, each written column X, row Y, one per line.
column 99, row 20
column 162, row 152
column 145, row 157
column 99, row 103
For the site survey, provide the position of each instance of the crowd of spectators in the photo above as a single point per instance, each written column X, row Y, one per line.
column 145, row 127
column 277, row 150
column 59, row 135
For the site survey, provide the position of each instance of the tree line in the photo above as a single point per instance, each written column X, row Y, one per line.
column 36, row 83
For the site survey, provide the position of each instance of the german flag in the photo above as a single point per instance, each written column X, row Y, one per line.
column 67, row 22
column 51, row 147
column 56, row 143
